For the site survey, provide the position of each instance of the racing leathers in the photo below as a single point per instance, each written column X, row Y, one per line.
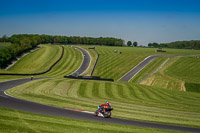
column 101, row 107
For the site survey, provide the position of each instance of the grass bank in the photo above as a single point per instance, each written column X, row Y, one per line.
column 13, row 121
column 130, row 101
column 42, row 59
column 37, row 61
column 176, row 73
column 114, row 65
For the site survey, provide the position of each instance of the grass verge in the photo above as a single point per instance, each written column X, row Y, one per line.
column 130, row 101
column 70, row 62
column 37, row 61
column 177, row 72
column 13, row 121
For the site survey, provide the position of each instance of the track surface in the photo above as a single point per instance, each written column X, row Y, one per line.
column 138, row 68
column 86, row 61
column 19, row 104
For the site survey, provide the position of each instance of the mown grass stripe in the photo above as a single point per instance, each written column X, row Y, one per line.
column 132, row 93
column 82, row 89
column 108, row 90
column 102, row 91
column 147, row 93
column 89, row 90
column 121, row 91
column 95, row 89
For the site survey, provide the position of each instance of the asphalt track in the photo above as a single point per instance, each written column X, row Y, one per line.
column 86, row 61
column 138, row 68
column 23, row 105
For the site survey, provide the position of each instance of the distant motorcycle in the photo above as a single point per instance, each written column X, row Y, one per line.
column 105, row 111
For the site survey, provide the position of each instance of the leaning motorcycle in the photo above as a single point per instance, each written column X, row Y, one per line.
column 106, row 112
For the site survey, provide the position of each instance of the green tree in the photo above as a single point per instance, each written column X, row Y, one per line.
column 129, row 43
column 4, row 38
column 135, row 44
column 149, row 44
column 25, row 43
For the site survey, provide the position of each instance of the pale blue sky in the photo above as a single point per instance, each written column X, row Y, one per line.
column 143, row 21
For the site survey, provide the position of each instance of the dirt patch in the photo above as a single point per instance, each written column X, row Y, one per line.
column 148, row 81
column 183, row 86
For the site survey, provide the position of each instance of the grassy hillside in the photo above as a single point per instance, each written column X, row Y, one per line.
column 13, row 121
column 189, row 73
column 70, row 62
column 38, row 61
column 185, row 68
column 42, row 59
column 177, row 72
column 130, row 101
column 115, row 65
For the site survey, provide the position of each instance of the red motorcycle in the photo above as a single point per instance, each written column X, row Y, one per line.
column 105, row 111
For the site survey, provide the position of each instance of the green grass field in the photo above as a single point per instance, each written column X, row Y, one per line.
column 70, row 62
column 37, row 61
column 185, row 68
column 177, row 72
column 115, row 65
column 13, row 121
column 42, row 59
column 130, row 101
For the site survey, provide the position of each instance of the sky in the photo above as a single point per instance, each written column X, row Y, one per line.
column 144, row 21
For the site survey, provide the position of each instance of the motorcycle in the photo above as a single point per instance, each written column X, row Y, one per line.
column 105, row 112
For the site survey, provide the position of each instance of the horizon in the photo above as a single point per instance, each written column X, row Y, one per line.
column 142, row 21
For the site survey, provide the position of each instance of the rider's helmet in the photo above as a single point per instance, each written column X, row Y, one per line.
column 108, row 103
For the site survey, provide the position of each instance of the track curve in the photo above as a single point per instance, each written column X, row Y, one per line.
column 86, row 61
column 19, row 104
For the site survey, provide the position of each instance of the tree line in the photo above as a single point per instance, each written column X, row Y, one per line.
column 21, row 43
column 108, row 41
column 193, row 44
column 130, row 44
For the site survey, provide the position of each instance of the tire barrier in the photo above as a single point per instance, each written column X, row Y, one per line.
column 40, row 72
column 88, row 78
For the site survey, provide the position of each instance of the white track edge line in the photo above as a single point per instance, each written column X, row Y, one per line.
column 8, row 94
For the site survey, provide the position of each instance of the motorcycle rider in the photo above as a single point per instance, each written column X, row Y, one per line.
column 100, row 108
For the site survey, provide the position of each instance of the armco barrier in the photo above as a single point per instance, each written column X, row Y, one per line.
column 88, row 78
column 95, row 64
column 40, row 72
